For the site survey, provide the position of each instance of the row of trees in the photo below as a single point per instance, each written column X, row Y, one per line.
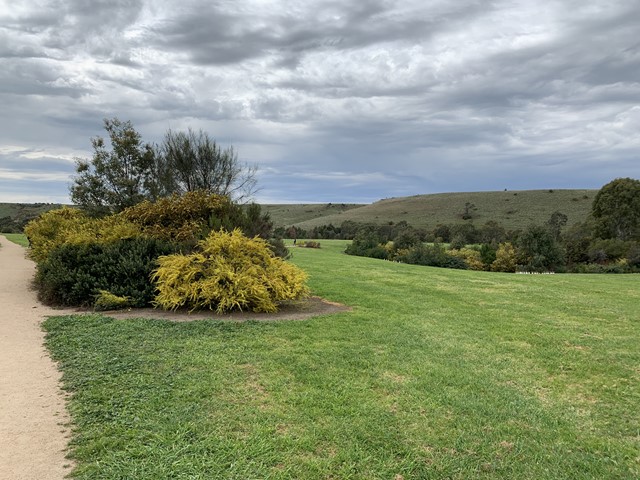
column 124, row 170
column 607, row 241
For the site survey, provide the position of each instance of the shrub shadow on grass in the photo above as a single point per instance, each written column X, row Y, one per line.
column 293, row 310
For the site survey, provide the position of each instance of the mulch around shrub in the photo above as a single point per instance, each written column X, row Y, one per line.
column 295, row 310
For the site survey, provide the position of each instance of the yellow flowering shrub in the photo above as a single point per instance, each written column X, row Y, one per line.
column 51, row 229
column 106, row 300
column 66, row 226
column 178, row 218
column 228, row 272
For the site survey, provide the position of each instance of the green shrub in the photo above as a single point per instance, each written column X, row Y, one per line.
column 366, row 243
column 608, row 250
column 406, row 239
column 227, row 272
column 430, row 255
column 458, row 242
column 279, row 249
column 539, row 251
column 9, row 225
column 73, row 274
column 487, row 254
column 633, row 255
column 470, row 257
column 621, row 266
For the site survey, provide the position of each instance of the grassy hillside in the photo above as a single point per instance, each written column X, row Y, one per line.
column 513, row 209
column 23, row 211
column 435, row 374
column 293, row 214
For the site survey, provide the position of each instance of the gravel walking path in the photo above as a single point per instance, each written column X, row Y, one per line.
column 33, row 417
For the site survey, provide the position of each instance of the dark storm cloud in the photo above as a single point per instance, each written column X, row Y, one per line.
column 213, row 35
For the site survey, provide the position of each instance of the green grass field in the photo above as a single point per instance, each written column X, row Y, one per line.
column 434, row 374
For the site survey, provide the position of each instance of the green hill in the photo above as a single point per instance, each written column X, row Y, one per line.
column 293, row 214
column 512, row 209
column 15, row 215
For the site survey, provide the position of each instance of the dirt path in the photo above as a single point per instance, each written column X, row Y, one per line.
column 33, row 435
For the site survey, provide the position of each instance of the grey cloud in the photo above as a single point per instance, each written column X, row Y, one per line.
column 36, row 78
column 43, row 165
column 61, row 26
column 211, row 35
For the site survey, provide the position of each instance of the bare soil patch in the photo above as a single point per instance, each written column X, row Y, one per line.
column 298, row 310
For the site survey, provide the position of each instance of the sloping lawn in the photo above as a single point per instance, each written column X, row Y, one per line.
column 434, row 374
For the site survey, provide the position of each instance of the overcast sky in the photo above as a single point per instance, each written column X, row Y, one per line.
column 341, row 101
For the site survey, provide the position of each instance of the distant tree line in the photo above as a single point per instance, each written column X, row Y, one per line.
column 608, row 241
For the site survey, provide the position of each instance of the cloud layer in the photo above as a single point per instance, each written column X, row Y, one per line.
column 335, row 101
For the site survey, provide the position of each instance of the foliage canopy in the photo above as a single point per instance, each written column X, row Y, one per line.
column 616, row 209
column 125, row 171
column 118, row 177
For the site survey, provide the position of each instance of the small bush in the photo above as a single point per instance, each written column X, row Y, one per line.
column 311, row 244
column 487, row 254
column 620, row 266
column 458, row 242
column 608, row 250
column 279, row 249
column 633, row 255
column 505, row 258
column 227, row 272
column 470, row 257
column 367, row 244
column 73, row 274
column 108, row 301
column 406, row 239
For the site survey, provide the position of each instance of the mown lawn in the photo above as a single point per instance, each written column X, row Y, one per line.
column 434, row 374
